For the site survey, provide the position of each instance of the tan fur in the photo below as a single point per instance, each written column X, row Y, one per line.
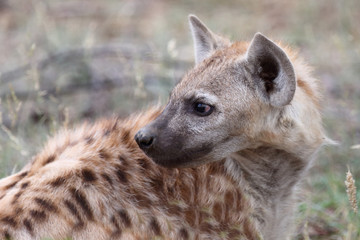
column 93, row 182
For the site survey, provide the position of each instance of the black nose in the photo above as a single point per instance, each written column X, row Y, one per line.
column 144, row 139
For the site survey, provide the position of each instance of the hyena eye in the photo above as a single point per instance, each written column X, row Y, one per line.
column 203, row 109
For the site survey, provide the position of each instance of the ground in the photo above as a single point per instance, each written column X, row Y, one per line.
column 63, row 62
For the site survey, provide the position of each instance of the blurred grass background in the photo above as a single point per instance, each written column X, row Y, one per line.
column 66, row 61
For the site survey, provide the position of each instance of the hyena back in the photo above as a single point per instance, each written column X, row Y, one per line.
column 222, row 160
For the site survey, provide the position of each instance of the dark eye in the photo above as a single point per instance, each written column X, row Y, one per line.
column 203, row 109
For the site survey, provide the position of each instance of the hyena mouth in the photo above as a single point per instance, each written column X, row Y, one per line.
column 181, row 158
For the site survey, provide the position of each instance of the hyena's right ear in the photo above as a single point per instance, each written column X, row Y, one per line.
column 205, row 41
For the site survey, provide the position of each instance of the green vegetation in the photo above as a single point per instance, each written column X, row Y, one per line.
column 64, row 62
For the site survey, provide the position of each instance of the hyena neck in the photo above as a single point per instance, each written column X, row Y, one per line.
column 269, row 176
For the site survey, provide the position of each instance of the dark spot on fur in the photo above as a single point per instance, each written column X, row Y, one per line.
column 72, row 209
column 114, row 127
column 23, row 174
column 38, row 215
column 103, row 154
column 1, row 197
column 50, row 159
column 16, row 197
column 114, row 222
column 18, row 211
column 141, row 200
column 46, row 204
column 143, row 164
column 89, row 140
column 79, row 225
column 107, row 178
column 218, row 210
column 173, row 210
column 125, row 136
column 170, row 190
column 9, row 220
column 154, row 226
column 24, row 185
column 28, row 225
column 183, row 234
column 258, row 216
column 83, row 202
column 117, row 232
column 122, row 160
column 190, row 216
column 58, row 181
column 124, row 217
column 88, row 175
column 107, row 132
column 11, row 185
column 229, row 199
column 121, row 174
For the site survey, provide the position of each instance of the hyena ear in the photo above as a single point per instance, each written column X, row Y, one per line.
column 274, row 74
column 205, row 41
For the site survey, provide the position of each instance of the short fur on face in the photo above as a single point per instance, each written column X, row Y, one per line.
column 244, row 83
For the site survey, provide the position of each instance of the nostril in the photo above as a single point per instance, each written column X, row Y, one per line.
column 147, row 141
column 143, row 140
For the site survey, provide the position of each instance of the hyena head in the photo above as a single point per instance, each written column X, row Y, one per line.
column 221, row 105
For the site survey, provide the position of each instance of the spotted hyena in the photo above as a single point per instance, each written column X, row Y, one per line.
column 222, row 160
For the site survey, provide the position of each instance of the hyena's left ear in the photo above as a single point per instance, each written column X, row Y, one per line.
column 273, row 72
column 205, row 41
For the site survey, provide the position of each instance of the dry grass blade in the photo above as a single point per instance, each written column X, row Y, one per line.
column 357, row 146
column 351, row 190
column 306, row 232
column 66, row 118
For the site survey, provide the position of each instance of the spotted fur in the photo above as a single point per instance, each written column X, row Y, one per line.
column 109, row 189
column 93, row 182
